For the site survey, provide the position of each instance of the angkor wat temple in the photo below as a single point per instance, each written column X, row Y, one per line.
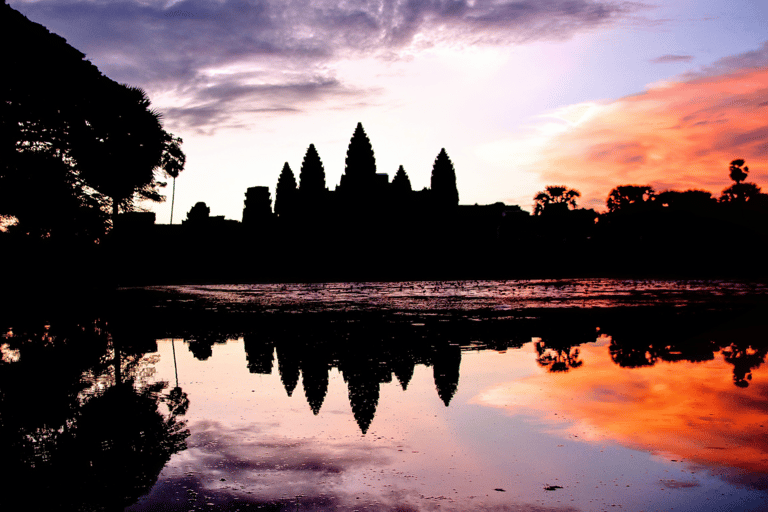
column 368, row 227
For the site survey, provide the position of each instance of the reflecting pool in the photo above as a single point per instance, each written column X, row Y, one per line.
column 515, row 395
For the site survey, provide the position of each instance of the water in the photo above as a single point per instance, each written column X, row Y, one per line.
column 532, row 396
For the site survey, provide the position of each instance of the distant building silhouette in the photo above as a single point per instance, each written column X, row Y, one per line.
column 257, row 209
column 444, row 191
column 286, row 192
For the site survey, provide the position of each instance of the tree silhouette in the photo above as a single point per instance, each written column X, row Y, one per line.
column 557, row 357
column 740, row 193
column 76, row 435
column 555, row 199
column 634, row 353
column 199, row 213
column 62, row 208
column 121, row 147
column 744, row 357
column 629, row 197
column 690, row 200
column 173, row 161
column 443, row 184
column 738, row 171
column 103, row 132
column 285, row 192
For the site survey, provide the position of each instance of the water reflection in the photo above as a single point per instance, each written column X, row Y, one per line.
column 366, row 357
column 686, row 410
column 82, row 425
column 385, row 408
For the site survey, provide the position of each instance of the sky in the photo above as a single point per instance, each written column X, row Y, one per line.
column 590, row 94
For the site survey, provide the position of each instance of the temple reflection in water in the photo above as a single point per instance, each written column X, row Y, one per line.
column 97, row 402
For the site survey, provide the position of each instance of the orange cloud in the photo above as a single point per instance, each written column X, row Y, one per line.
column 690, row 411
column 675, row 135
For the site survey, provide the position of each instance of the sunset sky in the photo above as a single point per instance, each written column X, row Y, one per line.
column 585, row 93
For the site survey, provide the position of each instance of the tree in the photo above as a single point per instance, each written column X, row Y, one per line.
column 443, row 184
column 690, row 200
column 199, row 213
column 40, row 192
column 112, row 143
column 285, row 192
column 401, row 184
column 629, row 197
column 555, row 198
column 737, row 172
column 740, row 193
column 173, row 163
column 120, row 149
column 61, row 209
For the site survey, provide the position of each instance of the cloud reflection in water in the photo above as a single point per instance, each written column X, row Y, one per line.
column 254, row 466
column 683, row 410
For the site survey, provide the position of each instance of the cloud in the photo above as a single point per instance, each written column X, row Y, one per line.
column 675, row 135
column 181, row 47
column 665, row 59
column 751, row 59
column 225, row 100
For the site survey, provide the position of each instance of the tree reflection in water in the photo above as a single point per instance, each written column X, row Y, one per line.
column 81, row 423
column 84, row 425
column 696, row 338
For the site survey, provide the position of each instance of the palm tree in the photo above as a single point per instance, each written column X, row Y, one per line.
column 629, row 196
column 737, row 172
column 121, row 145
column 172, row 163
column 555, row 198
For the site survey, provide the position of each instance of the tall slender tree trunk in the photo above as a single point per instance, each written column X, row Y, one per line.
column 173, row 198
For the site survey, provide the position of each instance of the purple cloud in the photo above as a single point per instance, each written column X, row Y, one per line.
column 666, row 59
column 161, row 48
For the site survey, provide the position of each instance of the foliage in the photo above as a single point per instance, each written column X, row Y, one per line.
column 62, row 209
column 740, row 193
column 107, row 140
column 738, row 171
column 443, row 183
column 689, row 200
column 555, row 199
column 629, row 197
column 199, row 213
column 120, row 149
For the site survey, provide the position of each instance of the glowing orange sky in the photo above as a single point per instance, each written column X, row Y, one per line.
column 692, row 411
column 675, row 135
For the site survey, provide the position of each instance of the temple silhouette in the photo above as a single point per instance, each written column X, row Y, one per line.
column 367, row 227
